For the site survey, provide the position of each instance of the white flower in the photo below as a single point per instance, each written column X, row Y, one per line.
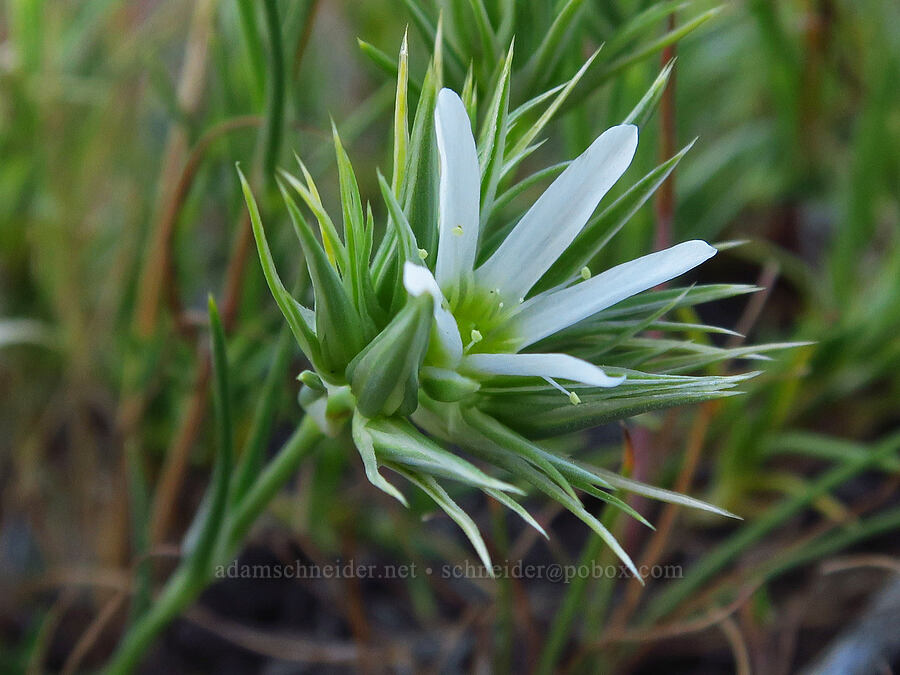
column 485, row 308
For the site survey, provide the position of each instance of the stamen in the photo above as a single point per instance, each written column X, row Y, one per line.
column 423, row 254
column 573, row 397
column 476, row 337
column 585, row 273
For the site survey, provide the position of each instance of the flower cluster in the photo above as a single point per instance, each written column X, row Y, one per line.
column 459, row 331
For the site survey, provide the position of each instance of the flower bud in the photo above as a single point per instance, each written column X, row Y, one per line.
column 384, row 376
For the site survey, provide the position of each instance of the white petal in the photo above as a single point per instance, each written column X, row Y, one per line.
column 551, row 312
column 559, row 214
column 460, row 190
column 560, row 366
column 417, row 280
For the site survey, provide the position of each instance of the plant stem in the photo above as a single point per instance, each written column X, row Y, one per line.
column 188, row 581
column 275, row 475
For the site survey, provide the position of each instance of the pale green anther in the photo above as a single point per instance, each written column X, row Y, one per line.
column 422, row 254
column 574, row 398
column 585, row 273
column 476, row 336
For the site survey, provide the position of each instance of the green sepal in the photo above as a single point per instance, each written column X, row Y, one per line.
column 338, row 326
column 384, row 376
column 418, row 193
column 358, row 280
column 446, row 385
column 299, row 318
column 362, row 439
column 330, row 409
column 399, row 442
column 418, row 196
column 492, row 140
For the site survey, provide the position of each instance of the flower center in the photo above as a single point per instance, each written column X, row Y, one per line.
column 482, row 318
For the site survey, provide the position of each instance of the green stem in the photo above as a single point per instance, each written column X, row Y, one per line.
column 275, row 475
column 253, row 456
column 188, row 581
column 181, row 589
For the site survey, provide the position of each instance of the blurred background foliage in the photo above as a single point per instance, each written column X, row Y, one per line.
column 120, row 209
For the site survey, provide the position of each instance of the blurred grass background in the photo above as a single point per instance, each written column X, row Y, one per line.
column 120, row 124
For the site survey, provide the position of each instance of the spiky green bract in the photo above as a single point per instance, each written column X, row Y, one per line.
column 457, row 333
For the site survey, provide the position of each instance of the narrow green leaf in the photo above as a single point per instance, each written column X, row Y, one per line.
column 481, row 445
column 492, row 140
column 489, row 47
column 338, row 327
column 521, row 111
column 402, row 231
column 430, row 486
column 297, row 316
column 401, row 115
column 602, row 75
column 211, row 515
column 517, row 508
column 418, row 193
column 547, row 55
column 713, row 562
column 398, row 441
column 334, row 247
column 363, row 441
column 432, row 34
column 660, row 494
column 386, row 64
column 507, row 438
column 358, row 279
column 646, row 21
column 566, row 418
column 651, row 300
column 645, row 108
column 522, row 144
column 256, row 56
column 469, row 97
